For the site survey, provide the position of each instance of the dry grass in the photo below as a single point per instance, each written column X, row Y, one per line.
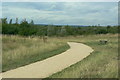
column 102, row 63
column 19, row 51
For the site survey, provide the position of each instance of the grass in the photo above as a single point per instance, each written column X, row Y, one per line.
column 102, row 63
column 19, row 51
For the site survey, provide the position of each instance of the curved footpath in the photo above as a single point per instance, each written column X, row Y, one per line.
column 47, row 67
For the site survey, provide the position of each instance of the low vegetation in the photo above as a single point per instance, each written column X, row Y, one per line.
column 102, row 63
column 19, row 51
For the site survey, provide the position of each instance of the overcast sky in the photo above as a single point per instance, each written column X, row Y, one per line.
column 77, row 13
column 59, row 0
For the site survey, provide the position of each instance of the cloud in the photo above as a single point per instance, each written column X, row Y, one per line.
column 0, row 9
column 82, row 13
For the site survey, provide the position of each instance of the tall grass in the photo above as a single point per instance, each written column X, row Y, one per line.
column 19, row 51
column 102, row 63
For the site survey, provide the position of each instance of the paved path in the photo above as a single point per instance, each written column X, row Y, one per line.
column 47, row 67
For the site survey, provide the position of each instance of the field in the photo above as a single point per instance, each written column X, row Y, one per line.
column 19, row 51
column 102, row 63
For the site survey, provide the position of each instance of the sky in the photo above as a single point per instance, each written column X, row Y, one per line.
column 60, row 0
column 71, row 13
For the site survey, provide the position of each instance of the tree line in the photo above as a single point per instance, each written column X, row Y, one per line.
column 25, row 28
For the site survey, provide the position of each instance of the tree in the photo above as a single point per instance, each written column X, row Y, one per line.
column 24, row 28
column 99, row 25
column 10, row 21
column 101, row 30
column 4, row 20
column 63, row 31
column 32, row 22
column 24, row 23
column 16, row 21
column 50, row 30
column 68, row 29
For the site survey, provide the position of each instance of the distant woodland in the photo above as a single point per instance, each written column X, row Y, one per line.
column 25, row 28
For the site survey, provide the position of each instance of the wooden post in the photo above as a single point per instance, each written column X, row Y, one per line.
column 44, row 39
